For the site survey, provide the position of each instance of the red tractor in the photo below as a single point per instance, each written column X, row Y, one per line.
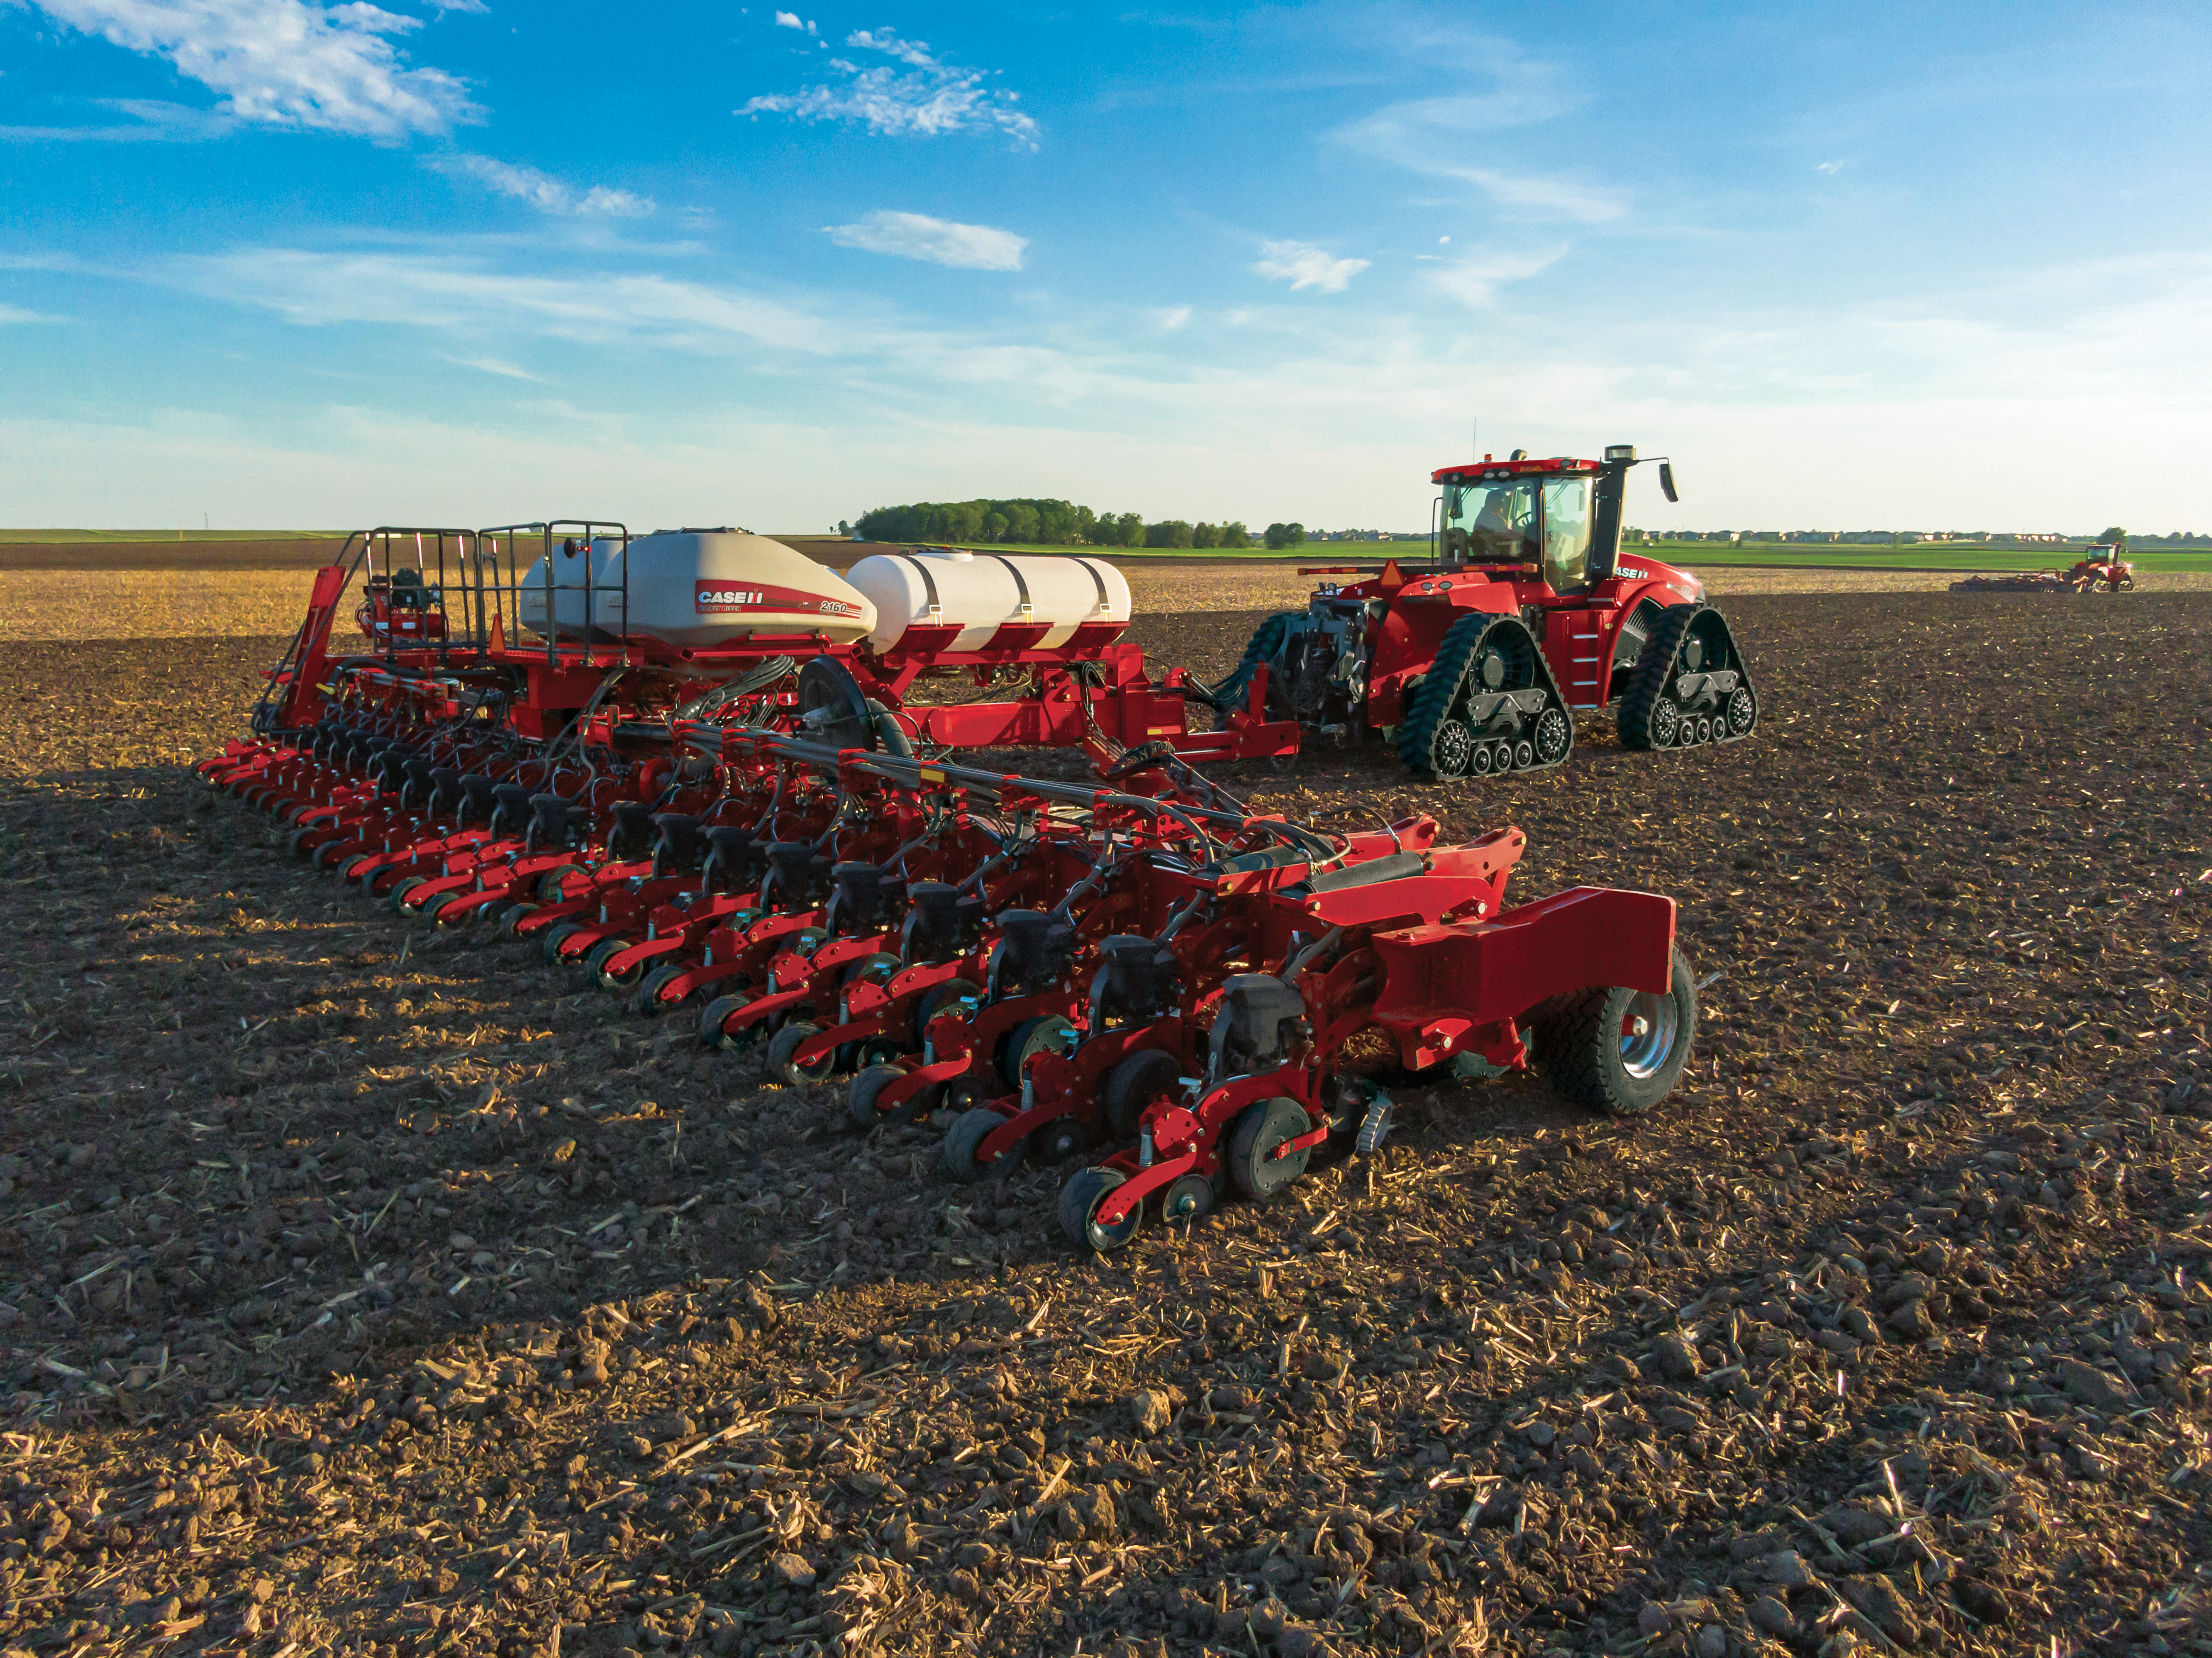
column 1527, row 615
column 2102, row 566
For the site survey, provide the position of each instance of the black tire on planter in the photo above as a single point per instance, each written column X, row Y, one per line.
column 860, row 1093
column 1078, row 1201
column 595, row 960
column 648, row 999
column 555, row 936
column 711, row 1019
column 965, row 1138
column 1023, row 1041
column 785, row 1043
column 1588, row 1048
column 1259, row 1129
column 932, row 1000
column 1130, row 1085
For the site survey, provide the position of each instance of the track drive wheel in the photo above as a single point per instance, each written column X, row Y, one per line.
column 1259, row 1129
column 785, row 1044
column 1617, row 1050
column 1131, row 1086
column 1078, row 1207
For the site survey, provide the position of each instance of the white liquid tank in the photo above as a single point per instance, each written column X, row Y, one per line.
column 982, row 593
column 694, row 590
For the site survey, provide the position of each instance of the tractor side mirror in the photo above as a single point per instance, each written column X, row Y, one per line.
column 1667, row 480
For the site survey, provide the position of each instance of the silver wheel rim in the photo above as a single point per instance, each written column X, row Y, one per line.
column 1647, row 1029
column 1665, row 719
column 1740, row 711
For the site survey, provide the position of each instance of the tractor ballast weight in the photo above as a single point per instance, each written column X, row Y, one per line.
column 1528, row 615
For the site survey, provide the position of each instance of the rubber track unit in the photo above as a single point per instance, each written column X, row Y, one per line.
column 1457, row 655
column 1655, row 671
column 1266, row 640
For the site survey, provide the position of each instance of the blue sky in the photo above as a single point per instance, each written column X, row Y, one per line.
column 284, row 262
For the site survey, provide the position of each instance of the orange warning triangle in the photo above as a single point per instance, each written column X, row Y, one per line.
column 498, row 632
column 1392, row 578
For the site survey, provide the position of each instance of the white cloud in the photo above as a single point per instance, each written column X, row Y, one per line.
column 543, row 191
column 1475, row 282
column 787, row 20
column 1449, row 138
column 939, row 242
column 1828, row 166
column 1172, row 318
column 496, row 366
column 925, row 98
column 286, row 63
column 16, row 313
column 1304, row 265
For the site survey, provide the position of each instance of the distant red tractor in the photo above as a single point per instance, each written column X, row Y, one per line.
column 1528, row 614
column 2102, row 566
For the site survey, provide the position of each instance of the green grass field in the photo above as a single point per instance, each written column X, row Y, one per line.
column 1717, row 555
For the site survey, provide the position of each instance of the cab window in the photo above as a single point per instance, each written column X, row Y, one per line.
column 1491, row 522
column 1567, row 534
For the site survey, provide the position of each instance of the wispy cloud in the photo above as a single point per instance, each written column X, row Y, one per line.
column 496, row 366
column 926, row 97
column 1172, row 318
column 151, row 121
column 542, row 190
column 1304, row 265
column 1450, row 137
column 1827, row 167
column 789, row 20
column 939, row 242
column 286, row 63
column 1475, row 282
column 16, row 313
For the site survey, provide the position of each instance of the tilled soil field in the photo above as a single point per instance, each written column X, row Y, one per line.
column 363, row 1294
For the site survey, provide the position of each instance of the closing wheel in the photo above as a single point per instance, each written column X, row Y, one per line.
column 297, row 845
column 860, row 1093
column 1554, row 736
column 964, row 1139
column 785, row 1043
column 714, row 1015
column 605, row 952
column 398, row 897
column 511, row 918
column 1742, row 711
column 439, row 903
column 1190, row 1198
column 345, row 869
column 1078, row 1206
column 554, row 935
column 1047, row 1034
column 1062, row 1138
column 1617, row 1050
column 1260, row 1130
column 550, row 887
column 1132, row 1085
column 1453, row 750
column 648, row 999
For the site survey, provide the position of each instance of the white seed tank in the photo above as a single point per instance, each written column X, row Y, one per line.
column 692, row 590
column 982, row 593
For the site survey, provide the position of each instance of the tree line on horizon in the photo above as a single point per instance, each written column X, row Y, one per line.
column 1038, row 523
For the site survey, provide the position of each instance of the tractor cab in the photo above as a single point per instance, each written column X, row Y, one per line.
column 1529, row 516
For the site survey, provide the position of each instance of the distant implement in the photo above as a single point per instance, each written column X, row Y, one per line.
column 1530, row 613
column 2100, row 570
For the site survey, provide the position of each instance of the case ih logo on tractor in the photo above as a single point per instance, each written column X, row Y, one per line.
column 722, row 598
column 1478, row 662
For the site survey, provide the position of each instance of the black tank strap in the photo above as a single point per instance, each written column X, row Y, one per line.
column 928, row 584
column 1020, row 586
column 1097, row 580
